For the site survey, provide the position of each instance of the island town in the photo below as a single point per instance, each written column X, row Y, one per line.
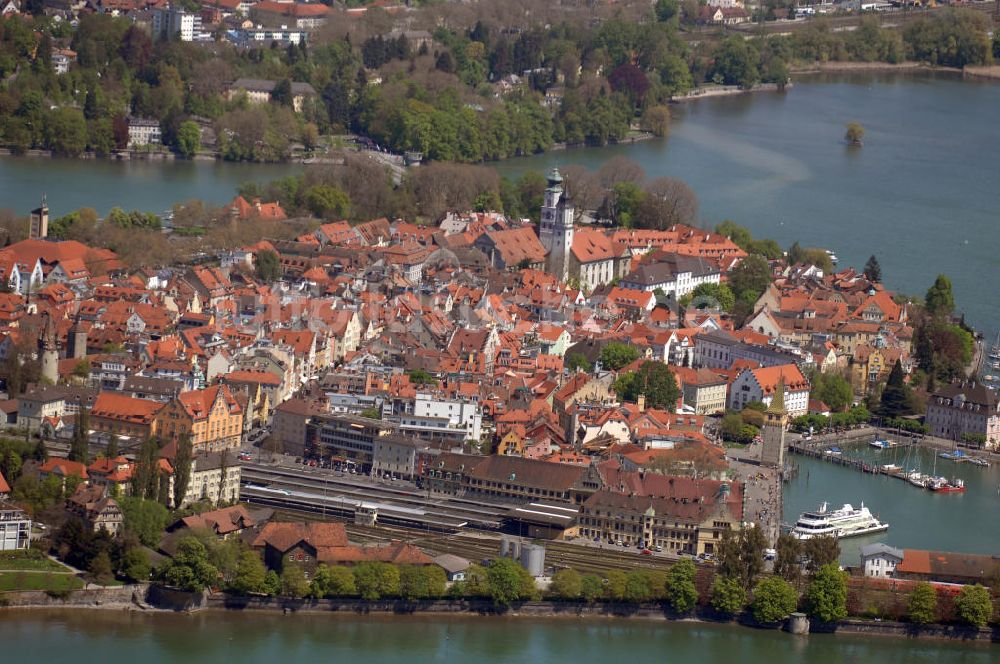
column 488, row 407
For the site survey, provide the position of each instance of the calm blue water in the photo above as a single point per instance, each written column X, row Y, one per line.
column 120, row 638
column 917, row 518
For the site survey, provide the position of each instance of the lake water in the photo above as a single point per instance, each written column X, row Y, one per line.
column 152, row 186
column 123, row 638
column 917, row 518
column 922, row 194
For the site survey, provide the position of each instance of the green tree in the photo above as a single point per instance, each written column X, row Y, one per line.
column 737, row 62
column 655, row 380
column 190, row 568
column 939, row 300
column 146, row 519
column 375, row 579
column 680, row 589
column 188, row 139
column 615, row 355
column 741, row 555
column 508, row 582
column 251, row 575
column 740, row 235
column 272, row 583
column 952, row 38
column 833, row 390
column 267, row 266
column 578, row 362
column 100, row 569
column 728, row 597
column 922, row 605
column 421, row 582
column 326, row 201
column 873, row 271
column 182, row 468
column 750, row 278
column 974, row 605
column 826, row 595
column 591, row 588
column 711, row 296
column 615, row 586
column 335, row 581
column 820, row 551
column 566, row 584
column 855, row 133
column 66, row 132
column 637, row 587
column 786, row 562
column 293, row 582
column 134, row 565
column 773, row 599
column 897, row 399
column 79, row 443
column 734, row 429
column 421, row 377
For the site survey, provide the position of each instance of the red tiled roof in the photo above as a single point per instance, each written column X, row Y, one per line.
column 284, row 536
column 120, row 407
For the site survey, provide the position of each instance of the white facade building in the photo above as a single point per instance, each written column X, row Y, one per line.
column 436, row 417
column 674, row 274
column 15, row 528
column 143, row 131
column 761, row 384
column 879, row 560
column 175, row 23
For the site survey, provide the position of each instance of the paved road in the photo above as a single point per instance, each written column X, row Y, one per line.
column 763, row 500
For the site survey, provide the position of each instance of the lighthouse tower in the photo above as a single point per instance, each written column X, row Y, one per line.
column 556, row 230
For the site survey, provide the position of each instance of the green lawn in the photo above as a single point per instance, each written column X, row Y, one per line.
column 29, row 560
column 38, row 581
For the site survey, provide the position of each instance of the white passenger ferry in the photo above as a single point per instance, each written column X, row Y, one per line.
column 845, row 522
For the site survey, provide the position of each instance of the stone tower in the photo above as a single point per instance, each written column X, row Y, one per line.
column 556, row 230
column 49, row 351
column 39, row 228
column 76, row 340
column 772, row 451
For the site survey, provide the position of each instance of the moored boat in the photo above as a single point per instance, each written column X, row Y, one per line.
column 942, row 485
column 848, row 521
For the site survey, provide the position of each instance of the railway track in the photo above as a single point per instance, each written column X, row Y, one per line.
column 479, row 547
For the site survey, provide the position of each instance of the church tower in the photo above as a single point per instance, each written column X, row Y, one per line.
column 772, row 451
column 48, row 351
column 556, row 230
column 39, row 228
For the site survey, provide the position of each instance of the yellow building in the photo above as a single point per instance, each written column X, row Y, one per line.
column 212, row 417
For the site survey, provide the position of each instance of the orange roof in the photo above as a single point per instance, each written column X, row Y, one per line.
column 112, row 406
column 768, row 377
column 4, row 487
column 246, row 376
column 915, row 561
column 198, row 403
column 590, row 245
column 63, row 467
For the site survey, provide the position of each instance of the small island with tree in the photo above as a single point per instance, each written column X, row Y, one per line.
column 855, row 134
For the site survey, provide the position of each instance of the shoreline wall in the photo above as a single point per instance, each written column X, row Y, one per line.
column 146, row 598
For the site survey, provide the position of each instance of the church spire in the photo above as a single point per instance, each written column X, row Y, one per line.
column 777, row 406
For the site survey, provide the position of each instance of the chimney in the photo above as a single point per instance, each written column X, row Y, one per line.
column 641, row 403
